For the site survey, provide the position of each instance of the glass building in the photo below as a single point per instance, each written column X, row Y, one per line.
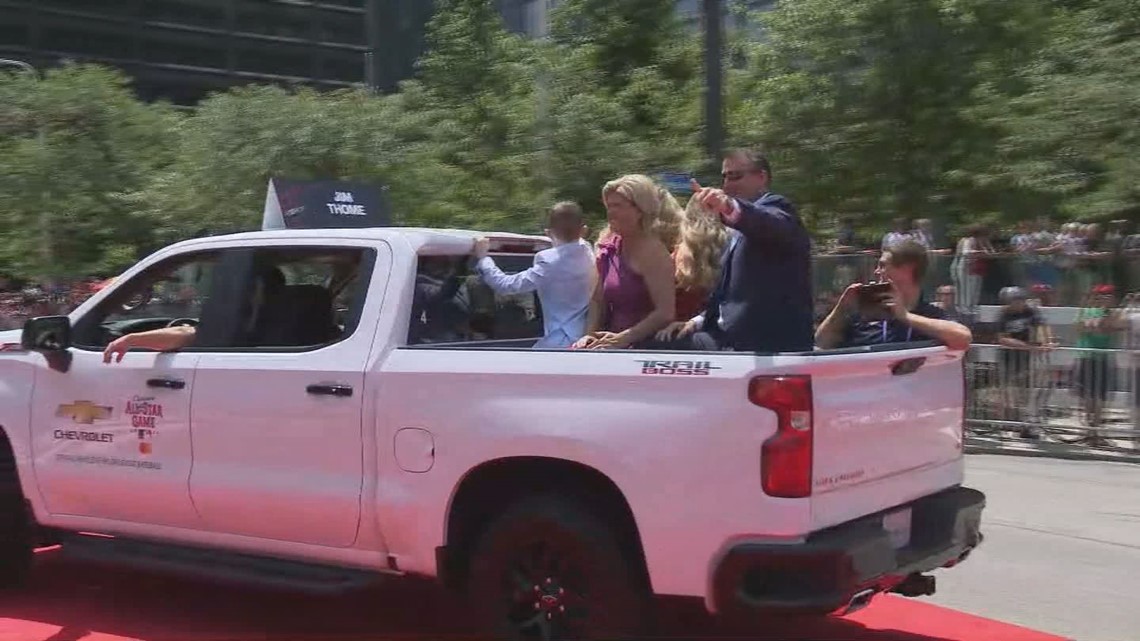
column 181, row 50
column 530, row 17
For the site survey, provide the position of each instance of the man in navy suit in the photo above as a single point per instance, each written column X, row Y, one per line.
column 763, row 302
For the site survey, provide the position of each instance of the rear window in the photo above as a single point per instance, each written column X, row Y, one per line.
column 452, row 304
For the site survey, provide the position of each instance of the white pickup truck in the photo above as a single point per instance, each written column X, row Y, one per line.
column 355, row 404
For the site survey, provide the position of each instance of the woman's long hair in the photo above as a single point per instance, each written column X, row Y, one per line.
column 661, row 214
column 698, row 255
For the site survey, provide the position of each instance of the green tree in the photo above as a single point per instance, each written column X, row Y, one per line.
column 869, row 104
column 593, row 136
column 1071, row 134
column 618, row 37
column 74, row 147
column 235, row 142
column 623, row 89
column 467, row 124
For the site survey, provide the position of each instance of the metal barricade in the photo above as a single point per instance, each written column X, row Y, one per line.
column 1061, row 394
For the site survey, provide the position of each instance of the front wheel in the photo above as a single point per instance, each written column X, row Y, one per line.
column 548, row 569
column 16, row 550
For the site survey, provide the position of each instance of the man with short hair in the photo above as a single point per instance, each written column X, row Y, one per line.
column 763, row 302
column 563, row 275
column 897, row 316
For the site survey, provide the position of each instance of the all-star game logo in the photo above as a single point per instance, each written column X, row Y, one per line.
column 677, row 368
column 145, row 415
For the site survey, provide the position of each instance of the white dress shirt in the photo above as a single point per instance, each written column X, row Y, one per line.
column 564, row 277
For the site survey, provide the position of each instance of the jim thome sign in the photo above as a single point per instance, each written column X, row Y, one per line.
column 343, row 205
column 317, row 204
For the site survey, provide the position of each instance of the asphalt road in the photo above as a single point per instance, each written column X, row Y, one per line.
column 1062, row 548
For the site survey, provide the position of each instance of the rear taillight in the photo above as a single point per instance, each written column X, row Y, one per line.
column 786, row 457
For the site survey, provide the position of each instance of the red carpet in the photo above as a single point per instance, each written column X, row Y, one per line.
column 900, row 618
column 83, row 603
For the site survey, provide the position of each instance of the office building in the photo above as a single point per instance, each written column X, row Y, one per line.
column 531, row 17
column 183, row 49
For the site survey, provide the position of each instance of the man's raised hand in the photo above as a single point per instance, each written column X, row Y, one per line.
column 481, row 248
column 713, row 199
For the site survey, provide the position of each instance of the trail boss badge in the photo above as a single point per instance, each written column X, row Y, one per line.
column 677, row 368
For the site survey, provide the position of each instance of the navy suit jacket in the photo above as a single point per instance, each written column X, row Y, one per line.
column 765, row 291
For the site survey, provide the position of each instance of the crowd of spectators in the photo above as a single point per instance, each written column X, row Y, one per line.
column 21, row 301
column 1059, row 266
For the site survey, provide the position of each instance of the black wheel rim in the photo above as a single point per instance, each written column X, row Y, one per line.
column 546, row 593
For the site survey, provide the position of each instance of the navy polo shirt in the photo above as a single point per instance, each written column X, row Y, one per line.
column 861, row 333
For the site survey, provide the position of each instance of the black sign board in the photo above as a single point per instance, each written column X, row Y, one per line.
column 324, row 204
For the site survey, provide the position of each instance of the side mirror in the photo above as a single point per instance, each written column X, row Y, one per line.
column 50, row 336
column 47, row 334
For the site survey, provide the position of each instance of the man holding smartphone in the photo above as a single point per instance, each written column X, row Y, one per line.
column 892, row 310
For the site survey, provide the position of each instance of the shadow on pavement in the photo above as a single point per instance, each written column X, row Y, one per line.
column 72, row 602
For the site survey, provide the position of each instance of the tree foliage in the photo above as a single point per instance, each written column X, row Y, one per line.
column 958, row 110
column 1071, row 135
column 618, row 38
column 235, row 142
column 74, row 147
column 872, row 105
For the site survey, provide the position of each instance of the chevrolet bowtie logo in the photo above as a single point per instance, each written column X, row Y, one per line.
column 84, row 412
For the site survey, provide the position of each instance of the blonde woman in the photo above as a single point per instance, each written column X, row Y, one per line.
column 635, row 295
column 698, row 258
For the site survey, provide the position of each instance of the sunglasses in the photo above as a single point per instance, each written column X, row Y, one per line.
column 738, row 174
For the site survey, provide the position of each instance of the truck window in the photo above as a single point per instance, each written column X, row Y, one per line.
column 293, row 297
column 302, row 297
column 171, row 292
column 451, row 304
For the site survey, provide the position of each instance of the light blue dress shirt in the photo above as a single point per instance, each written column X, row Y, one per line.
column 564, row 277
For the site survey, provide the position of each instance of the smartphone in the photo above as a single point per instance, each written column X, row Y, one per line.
column 872, row 293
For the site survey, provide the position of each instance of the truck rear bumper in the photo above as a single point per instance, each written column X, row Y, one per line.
column 842, row 567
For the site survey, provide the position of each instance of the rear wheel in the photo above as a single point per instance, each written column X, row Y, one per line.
column 548, row 569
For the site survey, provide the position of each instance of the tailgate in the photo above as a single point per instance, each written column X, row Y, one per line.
column 887, row 429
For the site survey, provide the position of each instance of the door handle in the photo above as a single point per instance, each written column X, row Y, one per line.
column 907, row 366
column 166, row 383
column 330, row 389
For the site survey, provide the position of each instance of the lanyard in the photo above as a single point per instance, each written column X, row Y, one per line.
column 909, row 332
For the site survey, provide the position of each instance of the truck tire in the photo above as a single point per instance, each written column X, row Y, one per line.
column 548, row 569
column 16, row 548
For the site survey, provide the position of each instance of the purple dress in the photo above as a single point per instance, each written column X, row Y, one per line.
column 625, row 295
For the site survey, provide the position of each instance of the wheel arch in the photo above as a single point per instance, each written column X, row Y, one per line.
column 491, row 487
